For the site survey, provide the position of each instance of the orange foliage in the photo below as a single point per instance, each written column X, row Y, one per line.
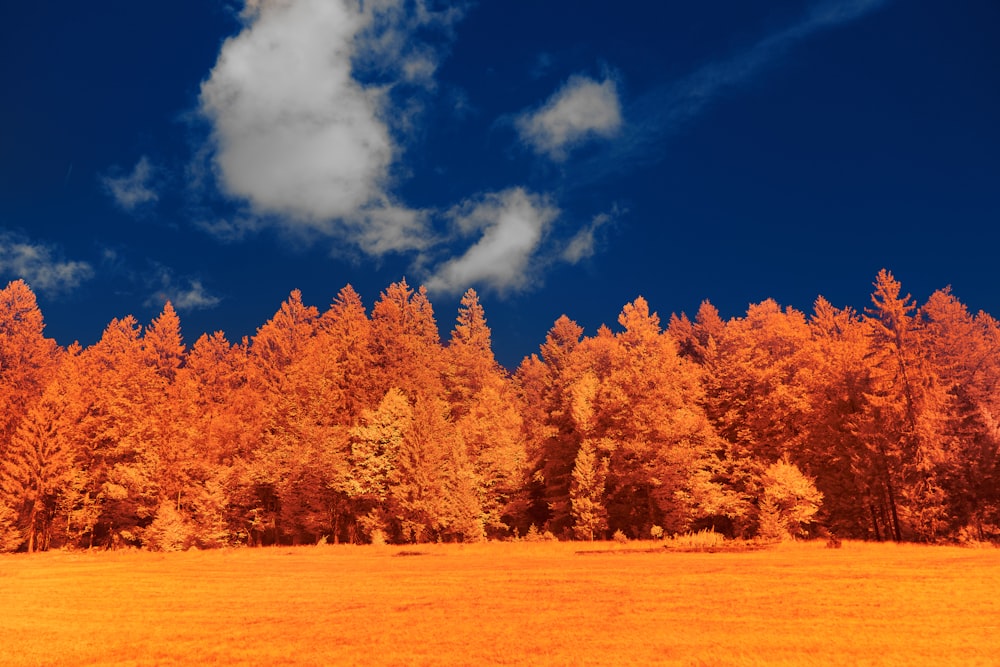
column 350, row 426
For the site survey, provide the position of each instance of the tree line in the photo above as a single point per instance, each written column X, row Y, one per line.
column 355, row 426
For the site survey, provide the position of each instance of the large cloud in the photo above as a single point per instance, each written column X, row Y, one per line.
column 580, row 110
column 297, row 136
column 511, row 224
column 40, row 265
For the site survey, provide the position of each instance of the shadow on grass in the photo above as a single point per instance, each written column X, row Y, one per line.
column 735, row 546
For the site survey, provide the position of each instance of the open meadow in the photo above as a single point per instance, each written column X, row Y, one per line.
column 504, row 604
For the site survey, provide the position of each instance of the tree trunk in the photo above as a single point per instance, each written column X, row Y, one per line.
column 875, row 528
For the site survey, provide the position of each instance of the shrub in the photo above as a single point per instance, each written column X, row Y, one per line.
column 704, row 539
column 535, row 535
column 620, row 537
column 789, row 504
column 656, row 532
column 169, row 531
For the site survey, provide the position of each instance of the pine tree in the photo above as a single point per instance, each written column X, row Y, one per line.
column 552, row 438
column 28, row 361
column 904, row 414
column 27, row 358
column 587, row 493
column 375, row 450
column 36, row 469
column 485, row 411
column 835, row 377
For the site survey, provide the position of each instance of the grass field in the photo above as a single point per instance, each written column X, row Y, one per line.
column 504, row 604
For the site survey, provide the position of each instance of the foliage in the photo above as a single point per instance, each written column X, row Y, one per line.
column 789, row 503
column 701, row 540
column 358, row 427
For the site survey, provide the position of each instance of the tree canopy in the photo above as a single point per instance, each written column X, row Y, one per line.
column 355, row 425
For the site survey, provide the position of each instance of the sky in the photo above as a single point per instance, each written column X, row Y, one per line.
column 558, row 156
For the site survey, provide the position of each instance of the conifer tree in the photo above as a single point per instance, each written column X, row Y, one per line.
column 904, row 414
column 117, row 435
column 587, row 493
column 552, row 438
column 375, row 449
column 36, row 468
column 27, row 358
column 485, row 411
column 835, row 378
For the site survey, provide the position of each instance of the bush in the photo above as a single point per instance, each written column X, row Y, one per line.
column 620, row 537
column 169, row 531
column 704, row 539
column 789, row 504
column 535, row 535
column 656, row 532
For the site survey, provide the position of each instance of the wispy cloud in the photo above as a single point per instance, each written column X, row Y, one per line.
column 299, row 137
column 582, row 109
column 134, row 189
column 185, row 294
column 583, row 244
column 41, row 265
column 665, row 109
column 511, row 226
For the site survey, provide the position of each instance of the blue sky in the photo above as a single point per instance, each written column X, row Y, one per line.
column 559, row 156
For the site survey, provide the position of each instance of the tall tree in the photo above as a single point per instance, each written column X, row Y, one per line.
column 486, row 413
column 331, row 384
column 266, row 469
column 590, row 518
column 552, row 437
column 962, row 350
column 27, row 358
column 37, row 468
column 117, row 435
column 406, row 344
column 835, row 378
column 904, row 413
column 375, row 449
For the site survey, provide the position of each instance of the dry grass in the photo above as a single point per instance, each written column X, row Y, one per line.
column 504, row 604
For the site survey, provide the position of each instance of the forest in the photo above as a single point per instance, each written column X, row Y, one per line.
column 358, row 426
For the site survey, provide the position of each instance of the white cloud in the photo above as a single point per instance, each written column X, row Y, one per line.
column 666, row 109
column 134, row 189
column 583, row 244
column 190, row 295
column 580, row 110
column 512, row 225
column 39, row 265
column 294, row 132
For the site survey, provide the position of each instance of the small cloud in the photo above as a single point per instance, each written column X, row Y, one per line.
column 194, row 297
column 580, row 110
column 390, row 228
column 231, row 229
column 135, row 189
column 40, row 265
column 511, row 225
column 189, row 295
column 664, row 110
column 583, row 244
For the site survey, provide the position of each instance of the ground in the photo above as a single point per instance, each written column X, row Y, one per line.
column 504, row 604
